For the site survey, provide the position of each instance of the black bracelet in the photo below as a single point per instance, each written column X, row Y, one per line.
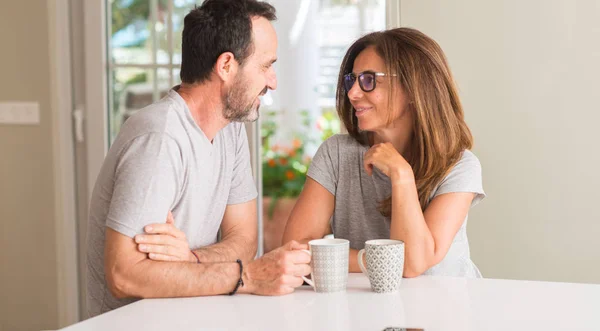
column 196, row 255
column 240, row 282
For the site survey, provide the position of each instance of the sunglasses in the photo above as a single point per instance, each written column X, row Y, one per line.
column 366, row 80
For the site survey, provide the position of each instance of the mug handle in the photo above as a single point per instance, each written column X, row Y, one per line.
column 361, row 253
column 308, row 281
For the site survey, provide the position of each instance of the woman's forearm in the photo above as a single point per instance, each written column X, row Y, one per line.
column 408, row 224
column 353, row 261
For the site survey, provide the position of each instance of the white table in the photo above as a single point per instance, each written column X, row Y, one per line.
column 433, row 303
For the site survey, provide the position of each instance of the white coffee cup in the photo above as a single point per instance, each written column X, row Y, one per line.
column 385, row 264
column 329, row 264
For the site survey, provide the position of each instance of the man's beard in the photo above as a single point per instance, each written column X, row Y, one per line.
column 236, row 108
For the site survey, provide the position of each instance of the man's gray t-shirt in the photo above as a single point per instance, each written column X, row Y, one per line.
column 338, row 167
column 161, row 161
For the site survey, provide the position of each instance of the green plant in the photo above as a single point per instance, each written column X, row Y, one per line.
column 328, row 123
column 285, row 165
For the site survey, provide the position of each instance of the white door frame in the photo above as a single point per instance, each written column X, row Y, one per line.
column 96, row 94
column 392, row 13
column 59, row 33
column 64, row 166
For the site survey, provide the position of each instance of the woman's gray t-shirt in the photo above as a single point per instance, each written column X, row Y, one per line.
column 338, row 166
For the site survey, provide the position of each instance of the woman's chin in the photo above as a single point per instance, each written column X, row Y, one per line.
column 364, row 126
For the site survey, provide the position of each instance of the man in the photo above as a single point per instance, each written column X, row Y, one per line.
column 188, row 154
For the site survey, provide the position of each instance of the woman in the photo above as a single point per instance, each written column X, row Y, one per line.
column 404, row 170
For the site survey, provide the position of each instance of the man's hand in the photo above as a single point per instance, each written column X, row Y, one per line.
column 164, row 242
column 279, row 271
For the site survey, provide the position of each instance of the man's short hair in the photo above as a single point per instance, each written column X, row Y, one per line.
column 216, row 27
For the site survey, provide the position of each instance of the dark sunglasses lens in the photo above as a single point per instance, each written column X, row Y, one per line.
column 348, row 82
column 367, row 81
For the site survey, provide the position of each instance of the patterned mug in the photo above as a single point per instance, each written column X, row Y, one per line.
column 329, row 264
column 385, row 264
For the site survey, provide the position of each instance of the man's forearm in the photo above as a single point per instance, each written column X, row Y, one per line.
column 229, row 249
column 152, row 279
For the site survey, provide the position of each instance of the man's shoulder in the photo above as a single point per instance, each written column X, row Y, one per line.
column 152, row 118
column 161, row 117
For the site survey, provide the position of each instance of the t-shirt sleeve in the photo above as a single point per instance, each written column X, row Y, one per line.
column 147, row 182
column 243, row 188
column 464, row 177
column 325, row 166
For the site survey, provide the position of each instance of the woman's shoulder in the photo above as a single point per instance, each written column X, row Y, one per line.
column 342, row 142
column 339, row 147
column 467, row 160
column 466, row 167
column 465, row 176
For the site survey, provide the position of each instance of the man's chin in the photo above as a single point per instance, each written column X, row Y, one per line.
column 252, row 116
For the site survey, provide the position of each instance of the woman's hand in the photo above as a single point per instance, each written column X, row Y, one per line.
column 387, row 159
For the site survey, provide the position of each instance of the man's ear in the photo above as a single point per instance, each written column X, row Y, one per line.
column 226, row 66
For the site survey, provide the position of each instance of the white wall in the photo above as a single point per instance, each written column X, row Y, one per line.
column 528, row 72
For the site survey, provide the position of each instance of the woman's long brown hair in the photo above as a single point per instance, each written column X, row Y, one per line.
column 440, row 133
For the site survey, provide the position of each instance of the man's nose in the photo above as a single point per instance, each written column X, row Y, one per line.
column 272, row 80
